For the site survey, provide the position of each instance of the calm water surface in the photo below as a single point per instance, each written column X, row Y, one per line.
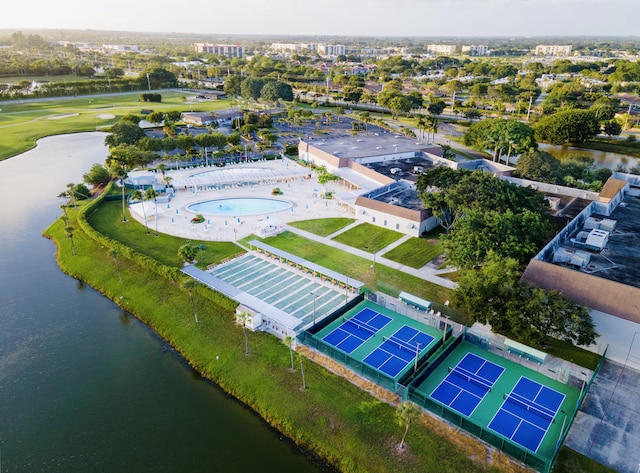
column 85, row 387
column 601, row 159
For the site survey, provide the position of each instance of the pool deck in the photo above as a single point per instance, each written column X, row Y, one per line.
column 296, row 186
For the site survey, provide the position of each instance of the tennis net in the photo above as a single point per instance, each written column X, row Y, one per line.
column 471, row 378
column 404, row 346
column 531, row 406
column 362, row 326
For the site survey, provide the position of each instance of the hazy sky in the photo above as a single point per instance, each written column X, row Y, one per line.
column 333, row 17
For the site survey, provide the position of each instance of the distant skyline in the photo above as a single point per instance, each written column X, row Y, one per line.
column 377, row 18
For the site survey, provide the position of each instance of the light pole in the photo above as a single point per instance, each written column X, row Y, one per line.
column 415, row 367
column 446, row 324
column 148, row 82
column 314, row 307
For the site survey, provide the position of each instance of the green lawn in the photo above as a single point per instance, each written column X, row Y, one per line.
column 368, row 237
column 22, row 124
column 163, row 248
column 415, row 252
column 323, row 226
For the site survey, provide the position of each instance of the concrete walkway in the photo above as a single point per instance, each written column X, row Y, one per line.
column 425, row 273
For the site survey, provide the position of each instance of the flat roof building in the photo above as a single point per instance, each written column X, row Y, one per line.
column 595, row 261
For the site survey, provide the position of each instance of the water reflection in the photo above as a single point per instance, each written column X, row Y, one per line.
column 601, row 159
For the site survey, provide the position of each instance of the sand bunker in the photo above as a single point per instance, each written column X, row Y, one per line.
column 105, row 116
column 66, row 115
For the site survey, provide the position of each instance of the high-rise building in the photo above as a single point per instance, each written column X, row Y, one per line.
column 229, row 50
column 552, row 50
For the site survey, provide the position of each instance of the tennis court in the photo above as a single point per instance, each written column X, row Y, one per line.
column 356, row 330
column 469, row 389
column 527, row 413
column 467, row 383
column 377, row 342
column 399, row 350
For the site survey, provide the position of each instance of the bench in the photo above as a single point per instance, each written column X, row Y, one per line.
column 521, row 350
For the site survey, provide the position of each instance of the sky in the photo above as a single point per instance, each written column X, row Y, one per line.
column 377, row 18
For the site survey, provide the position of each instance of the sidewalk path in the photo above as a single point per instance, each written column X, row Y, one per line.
column 425, row 273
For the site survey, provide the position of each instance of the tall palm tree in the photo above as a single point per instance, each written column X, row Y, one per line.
column 304, row 379
column 189, row 284
column 69, row 231
column 406, row 412
column 151, row 194
column 242, row 318
column 114, row 254
column 138, row 195
column 288, row 340
column 432, row 122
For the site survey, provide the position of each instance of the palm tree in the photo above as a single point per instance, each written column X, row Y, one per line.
column 242, row 318
column 114, row 254
column 151, row 194
column 138, row 195
column 304, row 381
column 69, row 230
column 121, row 173
column 288, row 340
column 405, row 414
column 433, row 122
column 189, row 284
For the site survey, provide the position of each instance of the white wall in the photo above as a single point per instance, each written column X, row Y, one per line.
column 408, row 227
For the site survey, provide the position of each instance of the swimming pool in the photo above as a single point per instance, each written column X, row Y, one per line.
column 240, row 206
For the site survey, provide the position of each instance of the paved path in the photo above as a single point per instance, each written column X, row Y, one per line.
column 426, row 273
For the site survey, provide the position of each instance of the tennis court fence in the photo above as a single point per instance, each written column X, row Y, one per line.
column 535, row 461
column 358, row 367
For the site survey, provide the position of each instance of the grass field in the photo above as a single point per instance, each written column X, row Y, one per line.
column 323, row 226
column 368, row 237
column 415, row 252
column 22, row 124
column 163, row 248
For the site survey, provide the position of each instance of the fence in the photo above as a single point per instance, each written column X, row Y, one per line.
column 358, row 367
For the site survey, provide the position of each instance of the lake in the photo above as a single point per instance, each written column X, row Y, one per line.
column 601, row 159
column 85, row 386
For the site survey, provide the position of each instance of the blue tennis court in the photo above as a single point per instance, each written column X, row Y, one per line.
column 527, row 412
column 358, row 329
column 467, row 383
column 397, row 351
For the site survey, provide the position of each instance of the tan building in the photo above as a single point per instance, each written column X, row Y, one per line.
column 552, row 50
column 229, row 50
